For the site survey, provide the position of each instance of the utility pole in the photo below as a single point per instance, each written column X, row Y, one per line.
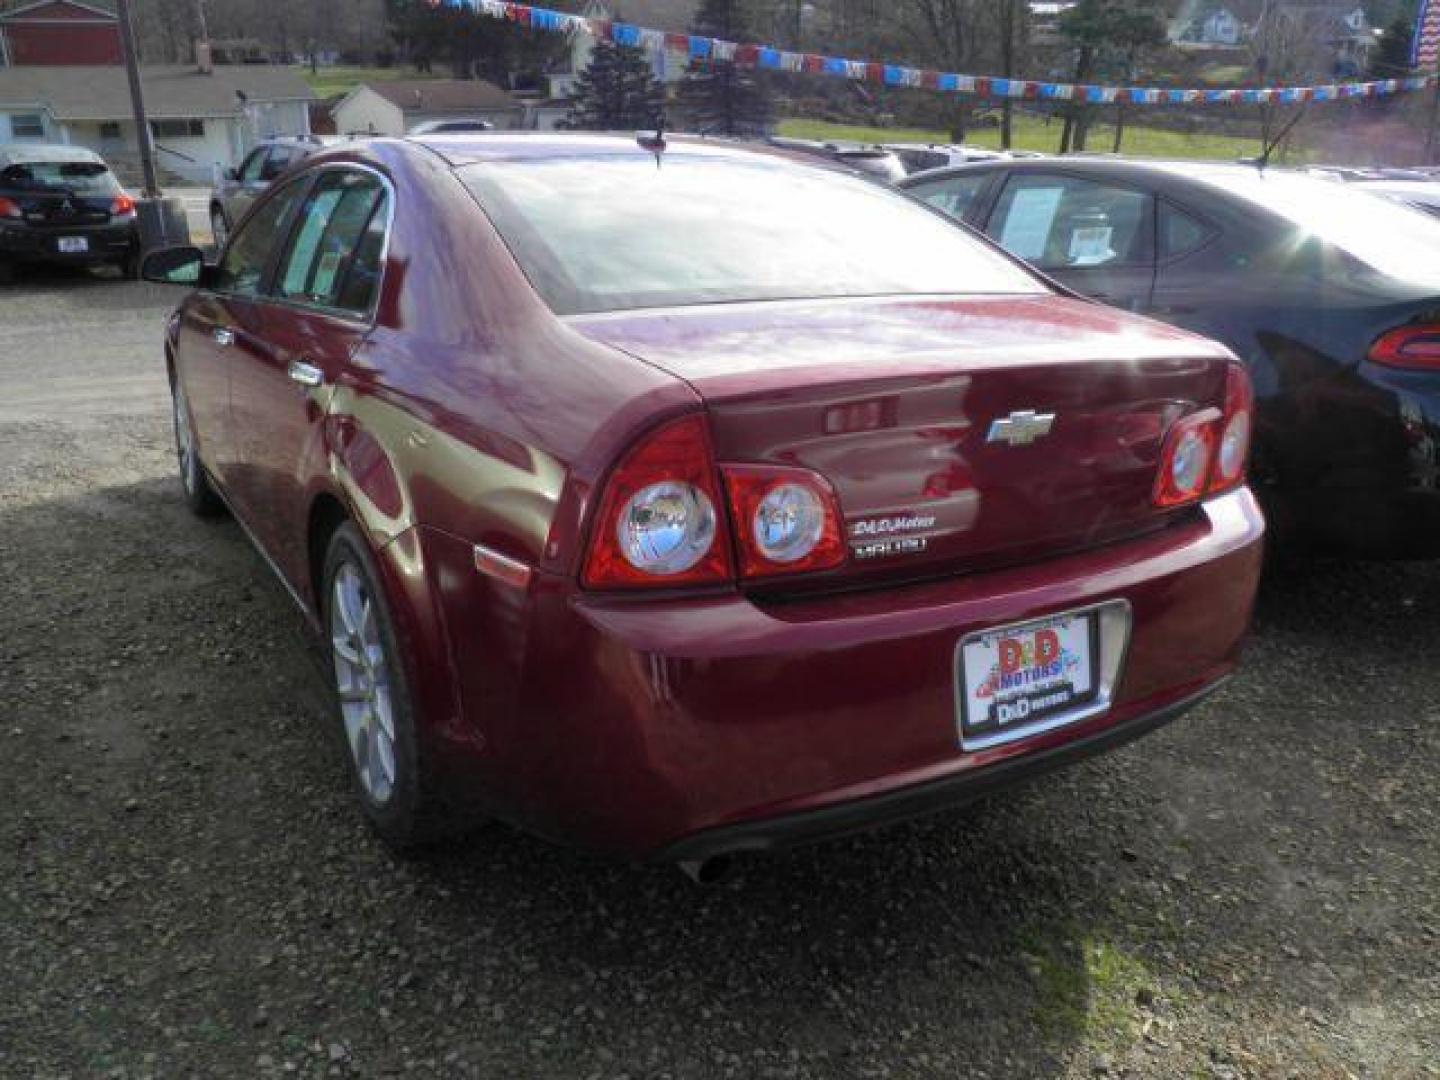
column 137, row 100
column 200, row 18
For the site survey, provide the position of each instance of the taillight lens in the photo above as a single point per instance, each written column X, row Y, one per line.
column 1206, row 452
column 1413, row 347
column 659, row 521
column 9, row 208
column 1185, row 464
column 1238, row 424
column 122, row 206
column 788, row 519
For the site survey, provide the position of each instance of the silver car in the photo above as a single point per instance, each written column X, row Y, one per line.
column 241, row 186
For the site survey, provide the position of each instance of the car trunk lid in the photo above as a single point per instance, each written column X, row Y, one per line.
column 956, row 433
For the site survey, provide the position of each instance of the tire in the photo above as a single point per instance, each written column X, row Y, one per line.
column 219, row 228
column 374, row 716
column 7, row 273
column 130, row 265
column 200, row 497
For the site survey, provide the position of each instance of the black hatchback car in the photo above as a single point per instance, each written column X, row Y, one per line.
column 62, row 204
column 1330, row 296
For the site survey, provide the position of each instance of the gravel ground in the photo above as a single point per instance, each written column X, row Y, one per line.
column 185, row 889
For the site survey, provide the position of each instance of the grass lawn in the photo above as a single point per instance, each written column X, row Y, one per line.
column 1032, row 133
column 329, row 81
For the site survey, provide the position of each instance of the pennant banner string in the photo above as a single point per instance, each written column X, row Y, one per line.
column 982, row 86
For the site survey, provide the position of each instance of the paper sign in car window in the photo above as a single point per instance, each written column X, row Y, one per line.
column 1027, row 225
column 1090, row 245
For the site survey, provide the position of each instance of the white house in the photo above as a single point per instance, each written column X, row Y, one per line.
column 1221, row 27
column 669, row 63
column 393, row 108
column 199, row 122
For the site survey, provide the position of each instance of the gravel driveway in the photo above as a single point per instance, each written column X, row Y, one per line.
column 185, row 889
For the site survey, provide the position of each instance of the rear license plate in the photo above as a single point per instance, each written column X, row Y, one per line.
column 1014, row 677
column 73, row 245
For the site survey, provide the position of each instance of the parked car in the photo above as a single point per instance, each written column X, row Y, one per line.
column 759, row 505
column 464, row 124
column 917, row 157
column 62, row 204
column 1416, row 194
column 242, row 185
column 870, row 160
column 1329, row 295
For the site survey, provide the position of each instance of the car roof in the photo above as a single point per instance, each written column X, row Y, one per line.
column 35, row 153
column 472, row 147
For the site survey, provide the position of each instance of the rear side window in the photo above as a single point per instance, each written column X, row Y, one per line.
column 60, row 177
column 333, row 260
column 242, row 268
column 953, row 194
column 1179, row 232
column 1067, row 222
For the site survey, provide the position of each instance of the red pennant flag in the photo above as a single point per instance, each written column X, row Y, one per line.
column 747, row 55
column 813, row 63
column 930, row 80
column 982, row 86
column 875, row 72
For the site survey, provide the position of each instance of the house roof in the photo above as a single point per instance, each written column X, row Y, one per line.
column 176, row 92
column 442, row 95
column 33, row 8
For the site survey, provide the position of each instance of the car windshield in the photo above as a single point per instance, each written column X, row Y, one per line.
column 1387, row 237
column 607, row 234
column 71, row 177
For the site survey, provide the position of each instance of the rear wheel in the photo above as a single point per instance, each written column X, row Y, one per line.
column 130, row 265
column 7, row 272
column 199, row 495
column 372, row 694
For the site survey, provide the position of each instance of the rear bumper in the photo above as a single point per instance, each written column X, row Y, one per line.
column 788, row 830
column 648, row 728
column 104, row 243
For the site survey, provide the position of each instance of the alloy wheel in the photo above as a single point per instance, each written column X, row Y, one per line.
column 362, row 680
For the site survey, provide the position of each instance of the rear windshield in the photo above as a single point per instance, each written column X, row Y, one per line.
column 1387, row 237
column 607, row 234
column 69, row 177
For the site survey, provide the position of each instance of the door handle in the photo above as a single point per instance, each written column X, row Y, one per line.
column 223, row 336
column 305, row 373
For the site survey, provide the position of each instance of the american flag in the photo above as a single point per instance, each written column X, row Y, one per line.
column 1425, row 50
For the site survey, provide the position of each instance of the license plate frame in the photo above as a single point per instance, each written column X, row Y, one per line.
column 73, row 245
column 1106, row 634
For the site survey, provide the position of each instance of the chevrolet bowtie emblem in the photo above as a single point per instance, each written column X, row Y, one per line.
column 1021, row 428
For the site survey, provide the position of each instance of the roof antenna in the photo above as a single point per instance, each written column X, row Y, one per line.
column 1264, row 158
column 654, row 143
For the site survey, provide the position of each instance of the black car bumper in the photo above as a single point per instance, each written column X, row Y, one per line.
column 88, row 244
column 775, row 833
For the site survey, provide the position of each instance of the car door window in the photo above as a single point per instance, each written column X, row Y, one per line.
column 1179, row 233
column 250, row 171
column 278, row 161
column 242, row 268
column 333, row 260
column 1063, row 222
column 953, row 194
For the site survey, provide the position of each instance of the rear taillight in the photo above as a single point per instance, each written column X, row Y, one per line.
column 661, row 520
column 664, row 519
column 1413, row 347
column 786, row 520
column 122, row 206
column 1232, row 453
column 9, row 208
column 1206, row 452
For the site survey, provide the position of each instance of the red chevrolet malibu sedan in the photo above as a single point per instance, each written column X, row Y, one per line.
column 682, row 500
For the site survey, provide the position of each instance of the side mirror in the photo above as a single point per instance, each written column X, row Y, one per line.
column 174, row 266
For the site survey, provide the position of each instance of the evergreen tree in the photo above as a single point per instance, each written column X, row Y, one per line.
column 1392, row 58
column 718, row 97
column 617, row 91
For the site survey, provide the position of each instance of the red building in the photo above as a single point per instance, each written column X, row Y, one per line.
column 53, row 32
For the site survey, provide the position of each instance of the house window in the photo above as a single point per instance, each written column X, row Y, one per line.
column 110, row 130
column 178, row 129
column 27, row 126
